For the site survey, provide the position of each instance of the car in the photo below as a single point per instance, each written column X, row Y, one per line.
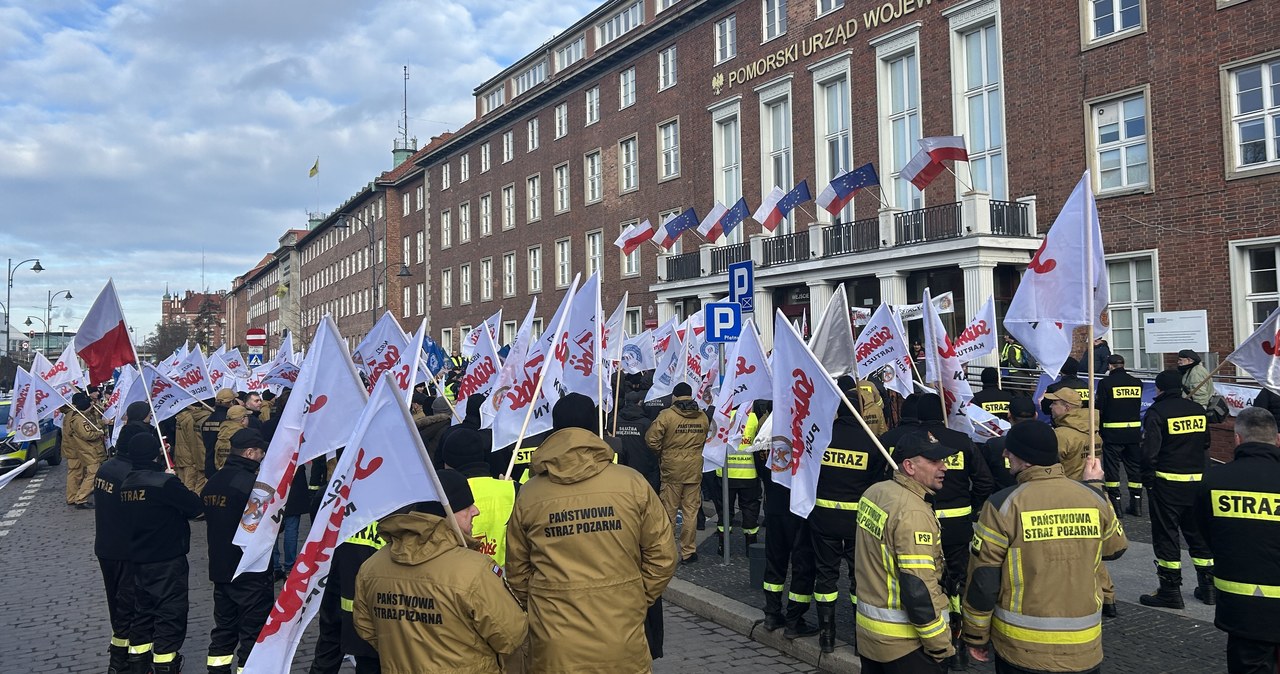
column 14, row 454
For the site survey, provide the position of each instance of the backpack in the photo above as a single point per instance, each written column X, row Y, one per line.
column 1216, row 410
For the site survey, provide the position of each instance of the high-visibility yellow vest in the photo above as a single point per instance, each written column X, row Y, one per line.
column 495, row 498
column 742, row 463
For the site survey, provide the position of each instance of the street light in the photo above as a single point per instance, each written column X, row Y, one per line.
column 344, row 222
column 46, row 333
column 8, row 294
column 48, row 309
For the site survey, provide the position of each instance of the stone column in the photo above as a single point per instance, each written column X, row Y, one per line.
column 820, row 293
column 979, row 284
column 893, row 287
column 763, row 315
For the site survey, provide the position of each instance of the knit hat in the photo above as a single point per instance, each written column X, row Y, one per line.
column 682, row 389
column 440, row 405
column 923, row 444
column 225, row 395
column 1169, row 380
column 1022, row 408
column 137, row 411
column 237, row 412
column 990, row 377
column 575, row 411
column 1066, row 394
column 420, row 399
column 1033, row 442
column 1070, row 367
column 463, row 448
column 143, row 448
column 248, row 438
column 456, row 490
column 1115, row 359
column 1188, row 353
column 81, row 401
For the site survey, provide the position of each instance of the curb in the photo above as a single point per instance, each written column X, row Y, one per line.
column 746, row 620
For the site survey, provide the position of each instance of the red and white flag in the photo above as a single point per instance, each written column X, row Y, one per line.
column 944, row 148
column 471, row 342
column 511, row 367
column 921, row 170
column 710, row 228
column 979, row 337
column 316, row 420
column 167, row 397
column 24, row 422
column 882, row 347
column 236, row 365
column 103, row 338
column 481, row 373
column 614, row 334
column 633, row 236
column 941, row 363
column 832, row 340
column 746, row 380
column 768, row 214
column 380, row 349
column 1056, row 293
column 669, row 371
column 192, row 374
column 805, row 401
column 383, row 468
column 1259, row 355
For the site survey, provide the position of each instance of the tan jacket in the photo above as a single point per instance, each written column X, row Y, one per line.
column 188, row 450
column 589, row 549
column 429, row 605
column 678, row 435
column 222, row 447
column 872, row 407
column 1034, row 587
column 82, row 441
column 1072, row 430
column 898, row 569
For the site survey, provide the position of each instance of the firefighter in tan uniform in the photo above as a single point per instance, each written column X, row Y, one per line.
column 188, row 454
column 902, row 611
column 1035, row 590
column 237, row 418
column 677, row 436
column 426, row 603
column 82, row 444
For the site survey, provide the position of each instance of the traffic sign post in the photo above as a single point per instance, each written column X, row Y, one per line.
column 254, row 359
column 724, row 321
column 255, row 350
column 742, row 282
column 255, row 337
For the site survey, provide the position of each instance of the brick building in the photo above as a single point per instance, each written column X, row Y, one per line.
column 203, row 313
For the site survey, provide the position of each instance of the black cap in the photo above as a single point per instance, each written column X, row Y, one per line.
column 921, row 444
column 1169, row 380
column 143, row 448
column 137, row 411
column 1115, row 359
column 1022, row 407
column 1033, row 442
column 682, row 389
column 456, row 489
column 1188, row 353
column 463, row 448
column 990, row 376
column 575, row 411
column 247, row 438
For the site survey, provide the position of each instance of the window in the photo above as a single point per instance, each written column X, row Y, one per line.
column 633, row 324
column 484, row 157
column 726, row 38
column 835, row 154
column 982, row 109
column 593, row 178
column 531, row 77
column 405, row 304
column 420, row 194
column 1133, row 296
column 486, row 215
column 464, row 222
column 564, row 262
column 1109, row 17
column 419, row 246
column 508, row 146
column 464, row 281
column 404, row 250
column 508, row 274
column 535, row 269
column 509, row 207
column 630, row 263
column 536, row 328
column 444, row 176
column 627, row 88
column 533, row 134
column 775, row 18
column 406, row 205
column 446, row 340
column 464, row 168
column 628, row 163
column 1120, row 143
column 669, row 142
column 593, row 105
column 1255, row 115
column 825, row 6
column 533, row 189
column 727, row 158
column 777, row 146
column 562, row 120
column 595, row 251
column 571, row 53
column 667, row 68
column 422, row 299
column 663, row 4
column 665, row 216
column 446, row 230
column 562, row 188
column 486, row 279
column 446, row 287
column 903, row 82
column 494, row 98
column 619, row 24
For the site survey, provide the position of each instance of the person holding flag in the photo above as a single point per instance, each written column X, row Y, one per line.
column 82, row 441
column 677, row 436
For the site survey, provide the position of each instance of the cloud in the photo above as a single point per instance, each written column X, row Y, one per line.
column 142, row 135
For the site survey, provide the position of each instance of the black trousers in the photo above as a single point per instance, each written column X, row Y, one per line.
column 161, row 602
column 654, row 631
column 746, row 494
column 957, row 533
column 240, row 609
column 832, row 533
column 117, row 578
column 328, row 652
column 1117, row 457
column 1004, row 667
column 1171, row 513
column 786, row 544
column 1247, row 656
column 915, row 662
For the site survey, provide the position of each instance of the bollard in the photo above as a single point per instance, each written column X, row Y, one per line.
column 755, row 558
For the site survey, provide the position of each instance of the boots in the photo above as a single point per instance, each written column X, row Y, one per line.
column 173, row 666
column 1205, row 591
column 119, row 663
column 1170, row 594
column 1113, row 494
column 751, row 540
column 773, row 611
column 796, row 625
column 1135, row 502
column 720, row 543
column 827, row 626
column 140, row 663
column 960, row 661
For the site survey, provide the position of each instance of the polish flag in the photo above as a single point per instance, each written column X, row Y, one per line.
column 1259, row 355
column 777, row 204
column 710, row 228
column 944, row 148
column 103, row 338
column 633, row 236
column 921, row 170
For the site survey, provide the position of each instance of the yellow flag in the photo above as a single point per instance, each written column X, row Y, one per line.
column 315, row 168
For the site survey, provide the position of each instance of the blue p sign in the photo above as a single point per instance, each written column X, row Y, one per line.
column 724, row 321
column 742, row 285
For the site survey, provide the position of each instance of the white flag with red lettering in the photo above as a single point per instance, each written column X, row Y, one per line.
column 558, row 341
column 112, row 405
column 135, row 391
column 979, row 337
column 746, row 380
column 576, row 372
column 167, row 397
column 404, row 371
column 65, row 375
column 511, row 367
column 383, row 468
column 192, row 374
column 380, row 349
column 220, row 374
column 881, row 347
column 235, row 365
column 805, row 401
column 315, row 421
column 471, row 342
column 24, row 423
column 941, row 363
column 669, row 370
column 1259, row 355
column 480, row 376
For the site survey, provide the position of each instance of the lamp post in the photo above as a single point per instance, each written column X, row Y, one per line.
column 344, row 222
column 8, row 294
column 46, row 333
column 48, row 309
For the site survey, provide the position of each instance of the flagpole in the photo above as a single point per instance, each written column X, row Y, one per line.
column 617, row 401
column 155, row 423
column 599, row 347
column 537, row 390
column 1089, row 290
column 957, row 177
column 937, row 360
column 863, row 422
column 435, row 479
column 453, row 411
column 880, row 195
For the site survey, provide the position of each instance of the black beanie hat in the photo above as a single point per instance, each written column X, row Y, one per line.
column 81, row 401
column 137, row 411
column 246, row 438
column 1022, row 407
column 1033, row 442
column 846, row 383
column 1070, row 367
column 929, row 407
column 575, row 411
column 420, row 399
column 681, row 389
column 463, row 448
column 456, row 490
column 1169, row 380
column 1188, row 353
column 143, row 448
column 990, row 377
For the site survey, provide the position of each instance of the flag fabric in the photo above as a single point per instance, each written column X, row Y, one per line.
column 942, row 304
column 111, row 406
column 436, row 358
column 403, row 372
column 668, row 371
column 662, row 337
column 832, row 341
column 638, row 353
column 192, row 374
column 136, row 392
column 1257, row 354
column 984, row 425
column 315, row 169
column 777, row 205
column 471, row 341
column 179, row 354
column 734, row 216
column 256, row 382
column 633, row 236
column 941, row 363
column 510, row 367
column 839, row 192
column 1054, row 295
column 380, row 349
column 316, row 420
column 66, row 374
column 944, row 148
column 979, row 337
column 804, row 322
column 680, row 224
column 882, row 347
column 614, row 335
column 804, row 408
column 921, row 170
column 699, row 353
column 24, row 423
column 384, row 468
column 572, row 367
column 710, row 229
column 235, row 364
column 167, row 397
column 480, row 376
column 746, row 380
column 220, row 375
column 283, row 374
column 103, row 338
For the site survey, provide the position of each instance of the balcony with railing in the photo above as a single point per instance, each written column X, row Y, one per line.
column 851, row 237
column 684, row 266
column 723, row 256
column 934, row 223
column 1010, row 218
column 786, row 248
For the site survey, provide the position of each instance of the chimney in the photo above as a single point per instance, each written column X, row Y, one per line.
column 402, row 149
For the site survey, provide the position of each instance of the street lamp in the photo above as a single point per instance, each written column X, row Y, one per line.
column 344, row 222
column 46, row 333
column 48, row 309
column 8, row 294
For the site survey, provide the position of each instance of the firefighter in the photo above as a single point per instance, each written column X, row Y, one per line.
column 1175, row 447
column 495, row 498
column 1119, row 404
column 237, row 419
column 1021, row 410
column 112, row 535
column 786, row 545
column 337, row 624
column 1034, row 587
column 992, row 398
column 82, row 443
column 744, row 488
column 188, row 452
column 902, row 608
column 677, row 436
column 1071, row 426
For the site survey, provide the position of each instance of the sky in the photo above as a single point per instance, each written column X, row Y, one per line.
column 168, row 144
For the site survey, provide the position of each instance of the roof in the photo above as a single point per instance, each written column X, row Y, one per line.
column 190, row 304
column 410, row 165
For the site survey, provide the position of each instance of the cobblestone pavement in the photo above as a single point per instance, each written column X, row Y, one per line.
column 56, row 615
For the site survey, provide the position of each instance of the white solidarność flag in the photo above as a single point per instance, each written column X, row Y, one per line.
column 668, row 372
column 614, row 335
column 805, row 401
column 235, row 365
column 746, row 380
column 511, row 367
column 1053, row 297
column 112, row 407
column 23, row 420
column 383, row 468
column 1257, row 355
column 882, row 347
column 315, row 421
column 220, row 375
column 404, row 371
column 637, row 353
column 480, row 377
column 979, row 337
column 167, row 397
column 135, row 393
column 941, row 363
column 832, row 340
column 381, row 348
column 192, row 374
column 471, row 342
column 576, row 372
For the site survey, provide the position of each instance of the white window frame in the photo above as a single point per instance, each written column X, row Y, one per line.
column 629, row 264
column 446, row 230
column 1243, row 297
column 668, row 68
column 833, row 71
column 419, row 240
column 464, row 168
column 988, row 151
column 1094, row 109
column 628, row 164
column 1089, row 36
column 564, row 262
column 562, row 120
column 486, row 214
column 726, row 158
column 508, row 332
column 1139, row 359
column 495, row 98
column 633, row 322
column 532, row 130
column 531, row 77
column 446, row 340
column 533, row 194
column 828, row 6
column 486, row 279
column 592, row 97
column 464, row 222
column 509, row 274
column 533, row 260
column 484, row 157
column 777, row 26
column 464, row 283
column 509, row 206
column 508, row 145
column 593, row 182
column 446, row 287
column 627, row 88
column 777, row 155
column 890, row 48
column 406, row 306
column 563, row 180
column 593, row 243
column 669, row 149
column 1269, row 115
column 571, row 53
column 422, row 299
column 619, row 24
column 726, row 45
column 444, row 176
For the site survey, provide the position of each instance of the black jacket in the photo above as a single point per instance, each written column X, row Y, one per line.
column 114, row 529
column 1268, row 401
column 1175, row 437
column 993, row 452
column 209, row 435
column 1238, row 508
column 1119, row 405
column 850, row 464
column 632, row 450
column 968, row 481
column 159, row 506
column 994, row 400
column 225, row 496
column 652, row 408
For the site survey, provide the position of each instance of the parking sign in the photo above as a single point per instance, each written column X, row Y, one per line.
column 742, row 282
column 724, row 321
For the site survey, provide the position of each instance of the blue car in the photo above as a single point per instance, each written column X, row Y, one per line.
column 14, row 454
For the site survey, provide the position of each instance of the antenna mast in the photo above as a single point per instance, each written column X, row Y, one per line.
column 404, row 125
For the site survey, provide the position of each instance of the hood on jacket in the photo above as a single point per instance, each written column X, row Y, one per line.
column 1077, row 420
column 686, row 406
column 474, row 403
column 416, row 538
column 572, row 455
